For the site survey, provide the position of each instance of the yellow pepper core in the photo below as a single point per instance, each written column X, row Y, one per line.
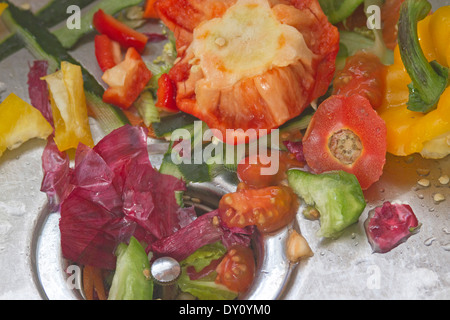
column 411, row 132
column 69, row 107
column 20, row 122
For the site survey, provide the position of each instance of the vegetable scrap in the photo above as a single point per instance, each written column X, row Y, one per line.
column 389, row 225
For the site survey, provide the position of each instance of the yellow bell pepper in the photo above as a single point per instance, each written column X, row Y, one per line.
column 408, row 131
column 3, row 6
column 69, row 107
column 20, row 122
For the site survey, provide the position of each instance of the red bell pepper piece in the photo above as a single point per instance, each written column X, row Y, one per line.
column 166, row 93
column 150, row 11
column 126, row 80
column 107, row 52
column 118, row 31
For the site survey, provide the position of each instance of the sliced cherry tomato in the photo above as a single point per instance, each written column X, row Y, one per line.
column 363, row 74
column 347, row 134
column 262, row 101
column 237, row 269
column 269, row 208
column 166, row 94
column 107, row 52
column 260, row 171
column 126, row 80
column 390, row 13
column 118, row 31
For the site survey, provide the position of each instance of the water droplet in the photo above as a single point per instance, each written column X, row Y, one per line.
column 420, row 196
column 431, row 209
column 353, row 235
column 445, row 230
column 446, row 247
column 428, row 242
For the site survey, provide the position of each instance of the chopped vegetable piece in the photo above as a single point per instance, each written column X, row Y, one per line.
column 38, row 90
column 118, row 31
column 346, row 134
column 93, row 286
column 57, row 174
column 150, row 11
column 20, row 122
column 206, row 229
column 69, row 107
column 390, row 13
column 166, row 93
column 339, row 10
column 259, row 170
column 130, row 282
column 390, row 225
column 232, row 76
column 116, row 192
column 409, row 131
column 237, row 269
column 297, row 248
column 126, row 80
column 362, row 74
column 269, row 208
column 336, row 195
column 3, row 6
column 429, row 80
column 199, row 272
column 107, row 52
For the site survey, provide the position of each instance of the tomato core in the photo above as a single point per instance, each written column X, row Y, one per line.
column 345, row 146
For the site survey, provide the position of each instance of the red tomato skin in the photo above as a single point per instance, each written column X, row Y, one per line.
column 363, row 74
column 354, row 113
column 269, row 208
column 249, row 170
column 117, row 31
column 237, row 269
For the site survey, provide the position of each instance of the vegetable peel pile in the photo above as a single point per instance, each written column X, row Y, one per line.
column 309, row 75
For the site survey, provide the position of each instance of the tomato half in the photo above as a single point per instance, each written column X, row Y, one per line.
column 262, row 100
column 363, row 74
column 260, row 171
column 269, row 208
column 237, row 269
column 347, row 134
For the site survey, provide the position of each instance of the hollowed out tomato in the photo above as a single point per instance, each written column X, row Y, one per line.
column 347, row 134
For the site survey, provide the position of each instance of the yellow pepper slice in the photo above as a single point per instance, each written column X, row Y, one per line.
column 69, row 107
column 3, row 6
column 409, row 132
column 20, row 122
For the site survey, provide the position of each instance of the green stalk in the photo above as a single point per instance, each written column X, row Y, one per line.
column 429, row 80
column 50, row 15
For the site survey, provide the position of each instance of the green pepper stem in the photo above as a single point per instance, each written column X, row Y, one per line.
column 429, row 80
